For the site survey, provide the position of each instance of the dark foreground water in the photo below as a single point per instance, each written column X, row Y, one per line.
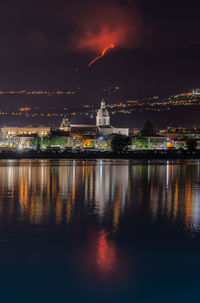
column 99, row 231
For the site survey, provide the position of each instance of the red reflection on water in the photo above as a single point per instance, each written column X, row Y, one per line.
column 101, row 260
column 106, row 253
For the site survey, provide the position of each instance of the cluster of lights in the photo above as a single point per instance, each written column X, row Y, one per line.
column 38, row 92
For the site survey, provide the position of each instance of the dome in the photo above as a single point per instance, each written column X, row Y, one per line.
column 103, row 118
column 102, row 112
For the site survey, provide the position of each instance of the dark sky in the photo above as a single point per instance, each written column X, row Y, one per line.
column 157, row 45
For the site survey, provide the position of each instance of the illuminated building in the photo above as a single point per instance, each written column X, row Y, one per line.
column 103, row 123
column 23, row 141
column 77, row 135
column 13, row 131
column 65, row 125
column 102, row 118
column 196, row 91
column 102, row 126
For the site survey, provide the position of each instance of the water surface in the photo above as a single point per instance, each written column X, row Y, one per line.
column 99, row 231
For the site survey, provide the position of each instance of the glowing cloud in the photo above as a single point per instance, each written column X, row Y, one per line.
column 102, row 26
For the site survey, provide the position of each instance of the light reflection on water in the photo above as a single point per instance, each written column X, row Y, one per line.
column 47, row 191
column 120, row 228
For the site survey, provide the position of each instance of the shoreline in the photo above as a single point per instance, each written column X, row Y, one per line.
column 139, row 154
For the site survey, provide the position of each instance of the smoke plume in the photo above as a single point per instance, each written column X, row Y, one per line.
column 100, row 24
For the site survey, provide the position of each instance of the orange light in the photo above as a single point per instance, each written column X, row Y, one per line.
column 102, row 54
column 169, row 144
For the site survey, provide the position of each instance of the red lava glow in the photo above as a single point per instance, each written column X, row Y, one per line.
column 101, row 25
column 102, row 54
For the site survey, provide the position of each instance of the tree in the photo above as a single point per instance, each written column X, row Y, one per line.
column 140, row 142
column 45, row 141
column 37, row 142
column 120, row 143
column 57, row 141
column 191, row 144
column 147, row 129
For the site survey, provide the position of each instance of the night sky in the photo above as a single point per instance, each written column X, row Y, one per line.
column 48, row 44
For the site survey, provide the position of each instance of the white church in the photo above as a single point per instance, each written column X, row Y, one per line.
column 103, row 122
column 102, row 126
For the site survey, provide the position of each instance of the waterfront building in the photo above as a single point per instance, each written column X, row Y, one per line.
column 23, row 141
column 177, row 137
column 13, row 131
column 77, row 135
column 21, row 136
column 153, row 142
column 102, row 126
column 103, row 123
column 102, row 118
column 90, row 136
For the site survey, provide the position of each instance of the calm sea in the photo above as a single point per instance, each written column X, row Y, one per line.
column 99, row 231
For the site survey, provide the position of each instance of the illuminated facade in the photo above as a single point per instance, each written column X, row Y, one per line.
column 65, row 125
column 102, row 126
column 82, row 135
column 13, row 131
column 103, row 123
column 103, row 118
